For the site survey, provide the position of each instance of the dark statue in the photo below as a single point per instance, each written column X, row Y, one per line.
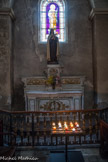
column 52, row 48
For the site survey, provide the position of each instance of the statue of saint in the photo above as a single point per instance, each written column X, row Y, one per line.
column 52, row 16
column 52, row 48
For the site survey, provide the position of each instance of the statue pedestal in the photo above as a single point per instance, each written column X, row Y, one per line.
column 54, row 70
column 53, row 76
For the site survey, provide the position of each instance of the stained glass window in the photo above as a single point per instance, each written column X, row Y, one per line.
column 52, row 15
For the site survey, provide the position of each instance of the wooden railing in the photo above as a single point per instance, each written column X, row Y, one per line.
column 104, row 139
column 104, row 115
column 35, row 128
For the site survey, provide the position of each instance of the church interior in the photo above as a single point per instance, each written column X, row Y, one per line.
column 54, row 80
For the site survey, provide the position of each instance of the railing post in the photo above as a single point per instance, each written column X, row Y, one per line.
column 10, row 128
column 1, row 131
column 32, row 129
column 66, row 152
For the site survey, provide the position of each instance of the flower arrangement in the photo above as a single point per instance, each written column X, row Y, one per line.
column 50, row 80
column 53, row 81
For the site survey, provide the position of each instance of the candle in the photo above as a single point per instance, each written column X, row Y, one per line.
column 59, row 125
column 73, row 129
column 77, row 125
column 65, row 124
column 66, row 128
column 53, row 124
column 54, row 128
column 71, row 124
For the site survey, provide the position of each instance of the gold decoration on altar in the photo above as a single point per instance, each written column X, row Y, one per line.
column 70, row 81
column 45, row 81
column 54, row 106
column 35, row 81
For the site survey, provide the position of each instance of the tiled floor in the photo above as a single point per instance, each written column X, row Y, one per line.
column 89, row 154
column 41, row 155
column 92, row 155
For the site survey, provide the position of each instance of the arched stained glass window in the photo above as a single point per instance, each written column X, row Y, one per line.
column 52, row 15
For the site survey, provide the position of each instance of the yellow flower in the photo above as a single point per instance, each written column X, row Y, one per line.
column 50, row 80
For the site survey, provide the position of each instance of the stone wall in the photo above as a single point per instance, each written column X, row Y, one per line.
column 98, row 3
column 6, row 3
column 101, row 3
column 5, row 59
column 101, row 59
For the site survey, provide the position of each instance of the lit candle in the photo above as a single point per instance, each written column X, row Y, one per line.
column 53, row 124
column 77, row 125
column 65, row 124
column 54, row 128
column 59, row 125
column 71, row 124
column 73, row 129
column 66, row 127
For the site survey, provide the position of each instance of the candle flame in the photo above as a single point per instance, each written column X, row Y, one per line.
column 54, row 128
column 59, row 124
column 76, row 123
column 73, row 129
column 71, row 124
column 53, row 124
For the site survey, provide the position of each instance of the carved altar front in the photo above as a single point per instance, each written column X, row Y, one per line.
column 53, row 92
column 39, row 96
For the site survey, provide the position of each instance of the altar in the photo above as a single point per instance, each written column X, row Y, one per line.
column 39, row 96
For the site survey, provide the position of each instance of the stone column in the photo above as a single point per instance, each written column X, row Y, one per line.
column 6, row 18
column 99, row 17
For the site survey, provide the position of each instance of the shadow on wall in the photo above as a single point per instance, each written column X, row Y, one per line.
column 18, row 97
column 101, row 100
